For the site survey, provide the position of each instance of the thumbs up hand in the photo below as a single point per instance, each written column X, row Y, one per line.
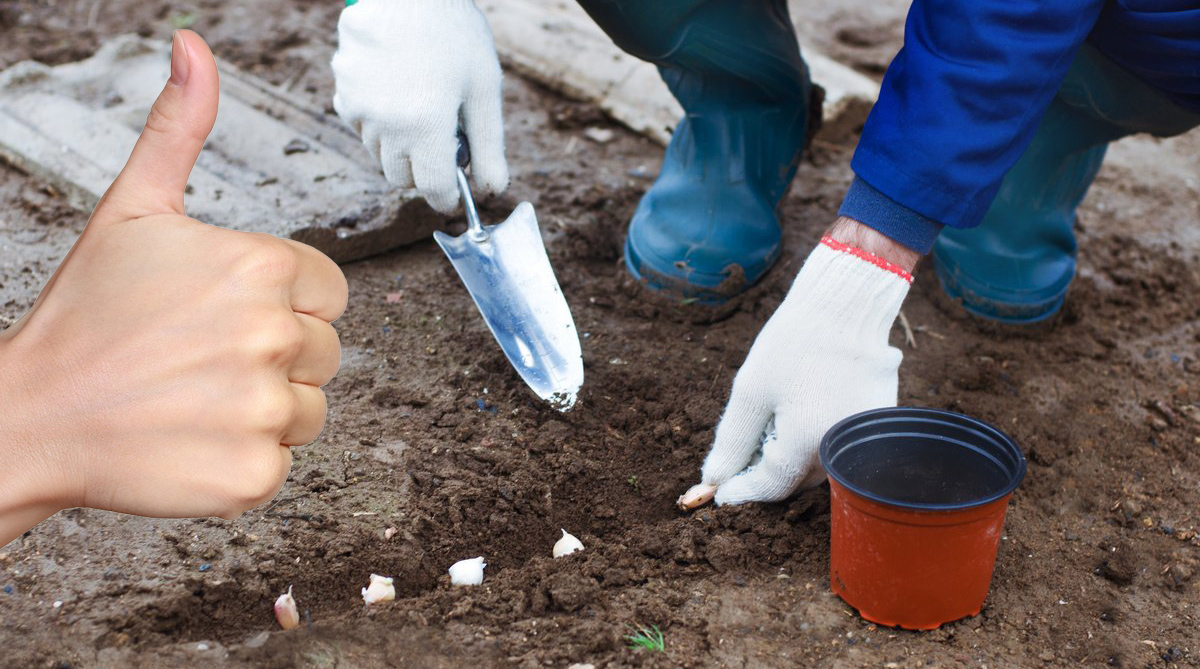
column 168, row 365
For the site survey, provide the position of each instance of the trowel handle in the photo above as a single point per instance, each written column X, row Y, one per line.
column 475, row 231
column 464, row 150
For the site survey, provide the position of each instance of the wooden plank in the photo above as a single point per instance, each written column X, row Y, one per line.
column 74, row 125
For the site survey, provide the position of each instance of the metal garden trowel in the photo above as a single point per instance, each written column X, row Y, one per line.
column 507, row 272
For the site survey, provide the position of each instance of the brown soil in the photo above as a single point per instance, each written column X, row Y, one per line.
column 431, row 433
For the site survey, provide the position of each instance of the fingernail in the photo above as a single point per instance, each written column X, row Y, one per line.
column 179, row 60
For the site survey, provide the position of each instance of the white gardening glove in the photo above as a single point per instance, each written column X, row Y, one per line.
column 407, row 73
column 823, row 356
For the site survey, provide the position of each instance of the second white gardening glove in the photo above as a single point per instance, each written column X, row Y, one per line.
column 407, row 74
column 823, row 356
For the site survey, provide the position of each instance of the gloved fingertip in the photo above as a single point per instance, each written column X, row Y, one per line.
column 489, row 167
column 736, row 496
column 443, row 201
column 738, row 437
column 760, row 484
column 732, row 494
column 397, row 169
column 718, row 468
column 492, row 180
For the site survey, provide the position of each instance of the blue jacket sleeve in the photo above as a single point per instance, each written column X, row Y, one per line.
column 864, row 203
column 958, row 106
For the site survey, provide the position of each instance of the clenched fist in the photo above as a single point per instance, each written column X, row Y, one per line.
column 167, row 366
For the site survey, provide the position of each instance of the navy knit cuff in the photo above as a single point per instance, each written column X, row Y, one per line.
column 867, row 205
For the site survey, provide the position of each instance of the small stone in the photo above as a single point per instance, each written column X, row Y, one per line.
column 258, row 640
column 640, row 172
column 599, row 135
column 1178, row 574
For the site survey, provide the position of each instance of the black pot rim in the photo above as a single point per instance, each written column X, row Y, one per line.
column 948, row 417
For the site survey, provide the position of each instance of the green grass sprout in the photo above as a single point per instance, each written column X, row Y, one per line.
column 650, row 638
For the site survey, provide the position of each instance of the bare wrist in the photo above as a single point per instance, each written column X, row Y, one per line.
column 861, row 236
column 30, row 489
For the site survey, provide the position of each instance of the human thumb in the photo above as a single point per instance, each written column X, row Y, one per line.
column 156, row 174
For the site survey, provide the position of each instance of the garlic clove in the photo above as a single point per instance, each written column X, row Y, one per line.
column 390, row 532
column 286, row 612
column 566, row 545
column 697, row 495
column 380, row 590
column 467, row 572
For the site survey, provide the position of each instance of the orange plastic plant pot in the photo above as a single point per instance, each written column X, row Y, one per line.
column 918, row 501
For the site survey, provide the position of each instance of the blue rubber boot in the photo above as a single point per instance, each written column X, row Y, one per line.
column 1017, row 265
column 707, row 228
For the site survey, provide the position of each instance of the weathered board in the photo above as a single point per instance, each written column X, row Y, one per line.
column 270, row 165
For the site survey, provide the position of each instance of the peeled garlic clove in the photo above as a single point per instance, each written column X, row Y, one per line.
column 286, row 612
column 467, row 572
column 697, row 495
column 380, row 590
column 566, row 545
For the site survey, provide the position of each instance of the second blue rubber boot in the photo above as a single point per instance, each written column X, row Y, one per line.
column 707, row 228
column 1017, row 265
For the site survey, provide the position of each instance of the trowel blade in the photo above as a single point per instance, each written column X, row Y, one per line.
column 510, row 278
